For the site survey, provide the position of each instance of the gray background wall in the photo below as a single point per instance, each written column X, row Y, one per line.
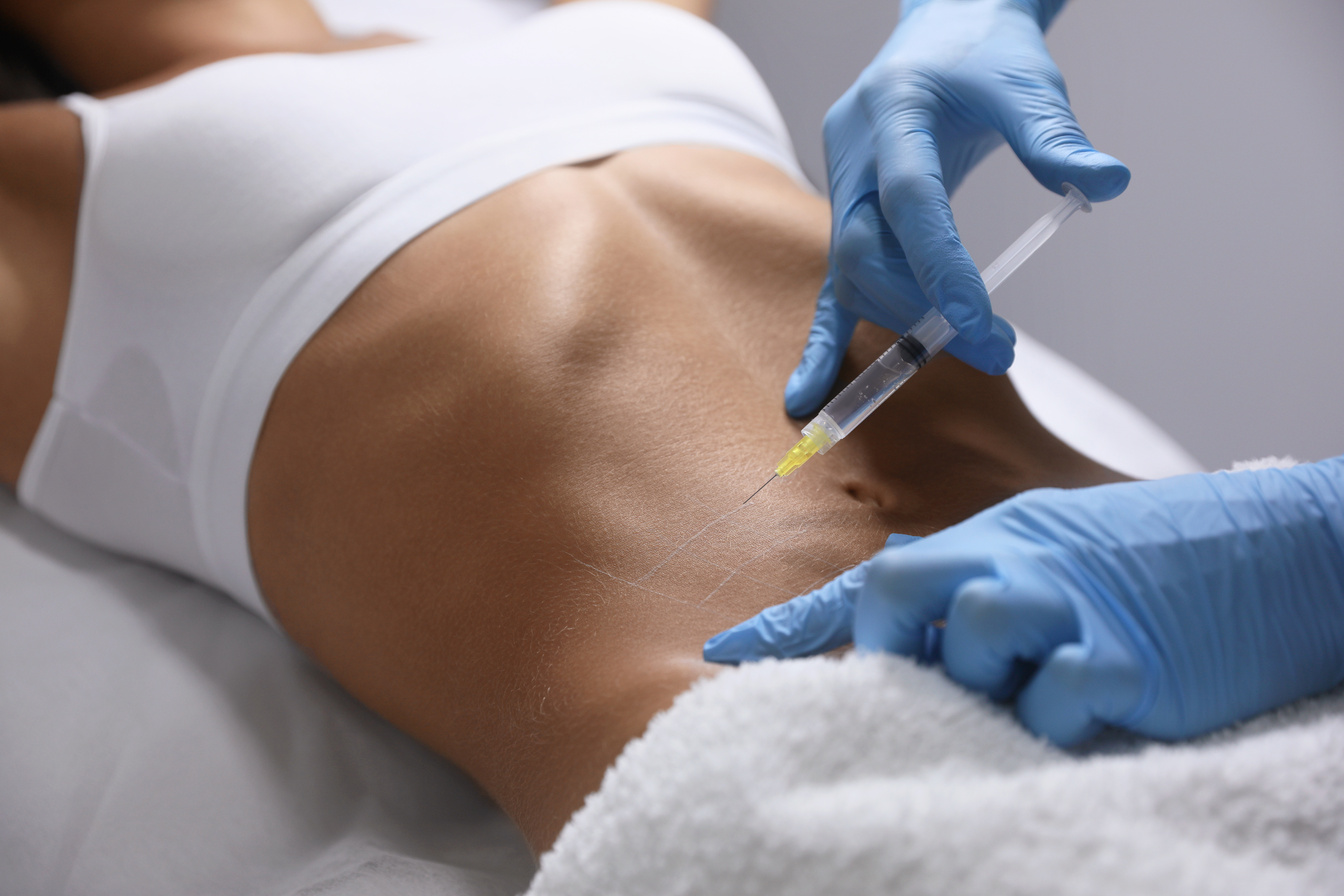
column 1209, row 293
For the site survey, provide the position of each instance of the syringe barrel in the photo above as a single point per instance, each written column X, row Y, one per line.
column 924, row 340
column 885, row 375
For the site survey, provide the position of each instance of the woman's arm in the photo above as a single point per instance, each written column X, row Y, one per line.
column 41, row 164
column 104, row 44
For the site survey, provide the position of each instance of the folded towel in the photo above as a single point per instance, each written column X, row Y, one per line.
column 869, row 774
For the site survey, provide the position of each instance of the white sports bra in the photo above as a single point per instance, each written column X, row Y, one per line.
column 227, row 213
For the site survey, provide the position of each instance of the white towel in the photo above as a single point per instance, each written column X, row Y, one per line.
column 869, row 774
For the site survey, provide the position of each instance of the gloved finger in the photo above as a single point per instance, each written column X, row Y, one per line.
column 1051, row 144
column 993, row 629
column 905, row 592
column 866, row 253
column 993, row 356
column 847, row 143
column 832, row 328
column 915, row 203
column 809, row 624
column 1072, row 697
column 900, row 540
column 868, row 257
column 931, row 651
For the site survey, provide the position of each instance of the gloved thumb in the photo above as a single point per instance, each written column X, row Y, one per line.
column 832, row 328
column 812, row 623
column 1100, row 177
column 1056, row 151
column 1057, row 703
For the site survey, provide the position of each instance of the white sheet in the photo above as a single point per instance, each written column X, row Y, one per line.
column 156, row 738
column 1092, row 418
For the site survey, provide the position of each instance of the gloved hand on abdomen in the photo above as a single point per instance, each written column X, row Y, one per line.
column 1169, row 608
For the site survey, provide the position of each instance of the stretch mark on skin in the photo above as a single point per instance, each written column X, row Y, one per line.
column 688, row 548
column 785, row 592
column 836, row 569
column 687, row 542
column 758, row 555
column 635, row 584
column 713, row 611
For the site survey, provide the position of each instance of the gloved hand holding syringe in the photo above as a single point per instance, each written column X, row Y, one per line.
column 913, row 350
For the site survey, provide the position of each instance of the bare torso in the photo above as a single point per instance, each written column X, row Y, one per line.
column 498, row 496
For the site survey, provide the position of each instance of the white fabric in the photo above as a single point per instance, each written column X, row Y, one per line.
column 871, row 775
column 1266, row 463
column 460, row 20
column 158, row 740
column 229, row 211
column 1092, row 418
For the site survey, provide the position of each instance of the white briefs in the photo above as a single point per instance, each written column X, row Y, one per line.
column 227, row 213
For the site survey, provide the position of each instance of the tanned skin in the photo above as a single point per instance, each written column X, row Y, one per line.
column 498, row 496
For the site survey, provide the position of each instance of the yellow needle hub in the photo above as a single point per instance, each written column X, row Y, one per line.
column 798, row 455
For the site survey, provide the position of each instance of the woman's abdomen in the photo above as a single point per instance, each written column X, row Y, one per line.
column 500, row 495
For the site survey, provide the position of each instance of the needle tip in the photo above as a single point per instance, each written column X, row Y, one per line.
column 759, row 490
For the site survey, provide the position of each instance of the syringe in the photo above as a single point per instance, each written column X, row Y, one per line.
column 913, row 350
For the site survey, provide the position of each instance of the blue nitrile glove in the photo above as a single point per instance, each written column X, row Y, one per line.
column 807, row 625
column 954, row 80
column 1169, row 608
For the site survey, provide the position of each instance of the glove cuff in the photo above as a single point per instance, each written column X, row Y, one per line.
column 1325, row 480
column 1043, row 11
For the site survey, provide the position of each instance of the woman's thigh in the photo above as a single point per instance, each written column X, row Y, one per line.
column 41, row 171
